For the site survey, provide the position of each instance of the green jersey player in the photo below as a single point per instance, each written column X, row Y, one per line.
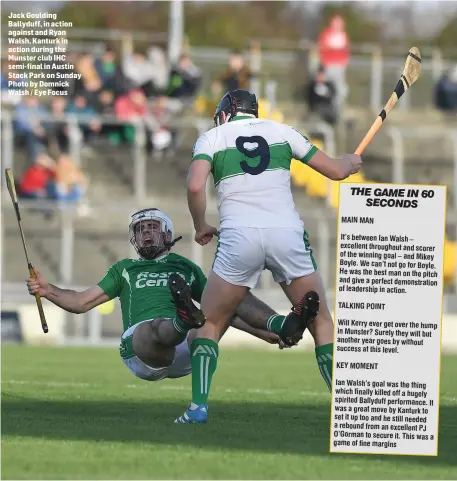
column 155, row 293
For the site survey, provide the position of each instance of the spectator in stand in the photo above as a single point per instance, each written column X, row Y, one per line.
column 58, row 128
column 148, row 73
column 236, row 76
column 29, row 124
column 445, row 92
column 89, row 76
column 157, row 58
column 110, row 73
column 34, row 180
column 131, row 108
column 69, row 184
column 106, row 66
column 140, row 72
column 91, row 89
column 334, row 54
column 164, row 135
column 86, row 116
column 320, row 97
column 105, row 102
column 185, row 79
column 105, row 107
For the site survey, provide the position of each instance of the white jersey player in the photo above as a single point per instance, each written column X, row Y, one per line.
column 260, row 228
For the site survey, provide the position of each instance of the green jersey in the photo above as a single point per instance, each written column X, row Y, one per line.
column 142, row 286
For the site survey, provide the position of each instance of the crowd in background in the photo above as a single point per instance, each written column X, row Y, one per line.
column 143, row 87
column 327, row 88
column 140, row 88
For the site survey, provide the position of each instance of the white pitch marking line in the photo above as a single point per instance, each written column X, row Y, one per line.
column 264, row 392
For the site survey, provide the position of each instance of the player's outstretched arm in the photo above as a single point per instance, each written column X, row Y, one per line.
column 335, row 169
column 76, row 302
column 304, row 151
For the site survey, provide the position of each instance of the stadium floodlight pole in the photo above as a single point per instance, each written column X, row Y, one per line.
column 175, row 30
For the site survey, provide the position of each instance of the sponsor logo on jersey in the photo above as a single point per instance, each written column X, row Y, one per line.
column 157, row 279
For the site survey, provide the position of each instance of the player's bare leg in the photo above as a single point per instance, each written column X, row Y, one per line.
column 263, row 317
column 148, row 344
column 219, row 302
column 257, row 312
column 322, row 327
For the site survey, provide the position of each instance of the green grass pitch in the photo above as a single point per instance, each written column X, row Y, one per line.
column 73, row 413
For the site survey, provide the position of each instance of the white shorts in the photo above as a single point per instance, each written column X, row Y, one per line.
column 243, row 253
column 179, row 368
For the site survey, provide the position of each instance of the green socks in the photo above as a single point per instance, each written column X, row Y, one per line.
column 324, row 356
column 274, row 323
column 181, row 326
column 204, row 354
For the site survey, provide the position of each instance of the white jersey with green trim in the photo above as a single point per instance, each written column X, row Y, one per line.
column 250, row 161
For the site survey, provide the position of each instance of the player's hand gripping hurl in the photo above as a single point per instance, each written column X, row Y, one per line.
column 39, row 285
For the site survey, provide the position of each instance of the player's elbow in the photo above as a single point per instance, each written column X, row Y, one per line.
column 78, row 308
column 82, row 303
column 81, row 309
column 195, row 186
